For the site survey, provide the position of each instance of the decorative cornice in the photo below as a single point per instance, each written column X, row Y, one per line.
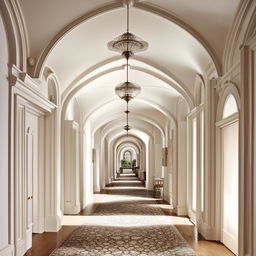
column 26, row 86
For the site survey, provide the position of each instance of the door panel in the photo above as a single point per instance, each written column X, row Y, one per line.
column 230, row 186
column 29, row 174
column 31, row 170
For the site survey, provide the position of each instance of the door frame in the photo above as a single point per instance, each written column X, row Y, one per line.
column 226, row 90
column 22, row 107
column 234, row 118
column 21, row 100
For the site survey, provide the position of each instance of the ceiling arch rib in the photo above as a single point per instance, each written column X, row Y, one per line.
column 125, row 145
column 116, row 5
column 94, row 111
column 129, row 140
column 151, row 68
column 119, row 140
column 126, row 148
column 145, row 101
column 182, row 91
column 138, row 121
column 142, row 130
column 143, row 137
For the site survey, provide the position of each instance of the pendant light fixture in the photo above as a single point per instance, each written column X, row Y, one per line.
column 127, row 44
column 127, row 127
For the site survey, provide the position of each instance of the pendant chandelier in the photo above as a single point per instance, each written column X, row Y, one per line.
column 127, row 127
column 127, row 44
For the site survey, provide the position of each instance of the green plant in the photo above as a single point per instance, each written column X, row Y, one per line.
column 134, row 163
column 125, row 163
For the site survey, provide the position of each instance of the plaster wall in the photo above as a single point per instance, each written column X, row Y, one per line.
column 158, row 160
column 182, row 169
column 157, row 154
column 72, row 112
column 4, row 136
column 88, row 166
column 71, row 169
column 96, row 164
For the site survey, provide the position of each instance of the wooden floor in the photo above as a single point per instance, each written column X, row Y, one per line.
column 44, row 244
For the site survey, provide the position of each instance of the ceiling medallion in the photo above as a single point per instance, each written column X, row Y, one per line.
column 127, row 44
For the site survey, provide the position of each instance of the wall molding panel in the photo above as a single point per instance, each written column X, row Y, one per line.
column 71, row 168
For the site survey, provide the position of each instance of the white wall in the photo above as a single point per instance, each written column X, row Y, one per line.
column 71, row 169
column 87, row 166
column 181, row 171
column 157, row 155
column 96, row 164
column 4, row 131
column 73, row 112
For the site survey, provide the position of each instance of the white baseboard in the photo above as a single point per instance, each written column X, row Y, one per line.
column 52, row 224
column 38, row 227
column 29, row 237
column 7, row 251
column 20, row 247
column 208, row 232
column 182, row 211
column 96, row 188
column 88, row 200
column 71, row 208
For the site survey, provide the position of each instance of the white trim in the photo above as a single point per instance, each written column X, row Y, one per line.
column 181, row 210
column 229, row 120
column 229, row 89
column 52, row 224
column 7, row 251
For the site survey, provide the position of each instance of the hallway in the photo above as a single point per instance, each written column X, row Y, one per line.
column 163, row 88
column 126, row 220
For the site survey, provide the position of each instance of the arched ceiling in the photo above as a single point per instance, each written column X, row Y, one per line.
column 211, row 20
column 128, row 145
column 170, row 46
column 130, row 140
column 184, row 37
column 143, row 129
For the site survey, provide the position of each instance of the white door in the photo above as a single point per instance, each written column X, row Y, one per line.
column 29, row 174
column 230, row 186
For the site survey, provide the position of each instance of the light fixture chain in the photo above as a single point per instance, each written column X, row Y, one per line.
column 127, row 72
column 128, row 20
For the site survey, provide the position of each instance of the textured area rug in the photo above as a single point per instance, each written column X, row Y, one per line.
column 130, row 223
column 127, row 208
column 124, row 241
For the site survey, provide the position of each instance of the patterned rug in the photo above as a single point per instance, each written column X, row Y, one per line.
column 127, row 229
column 125, row 241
